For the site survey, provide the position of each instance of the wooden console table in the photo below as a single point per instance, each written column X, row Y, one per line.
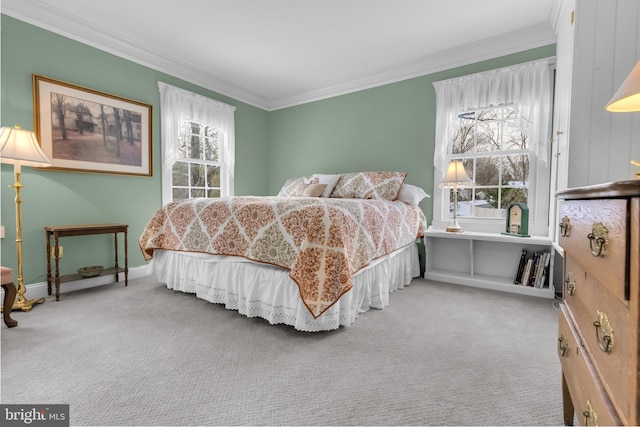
column 59, row 231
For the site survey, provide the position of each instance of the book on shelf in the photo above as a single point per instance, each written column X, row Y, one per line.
column 521, row 265
column 531, row 264
column 532, row 270
column 544, row 270
column 536, row 269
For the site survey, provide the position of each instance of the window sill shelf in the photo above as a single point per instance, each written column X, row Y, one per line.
column 483, row 260
column 491, row 237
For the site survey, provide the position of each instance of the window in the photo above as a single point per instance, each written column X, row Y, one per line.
column 196, row 172
column 497, row 124
column 495, row 153
column 198, row 144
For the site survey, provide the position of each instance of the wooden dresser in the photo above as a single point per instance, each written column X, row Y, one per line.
column 599, row 321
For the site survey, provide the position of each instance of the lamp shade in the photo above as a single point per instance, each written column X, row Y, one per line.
column 456, row 177
column 20, row 147
column 627, row 98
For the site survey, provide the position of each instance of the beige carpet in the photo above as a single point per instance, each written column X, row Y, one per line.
column 438, row 355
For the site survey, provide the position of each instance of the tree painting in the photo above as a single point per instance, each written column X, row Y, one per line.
column 58, row 108
column 88, row 131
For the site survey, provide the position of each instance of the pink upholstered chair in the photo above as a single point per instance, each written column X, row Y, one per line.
column 9, row 296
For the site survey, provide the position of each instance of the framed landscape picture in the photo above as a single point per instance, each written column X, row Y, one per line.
column 83, row 130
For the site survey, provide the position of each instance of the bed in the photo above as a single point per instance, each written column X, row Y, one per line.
column 309, row 258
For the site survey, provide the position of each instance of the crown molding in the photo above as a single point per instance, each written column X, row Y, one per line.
column 52, row 19
column 506, row 44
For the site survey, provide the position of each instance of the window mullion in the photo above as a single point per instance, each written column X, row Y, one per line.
column 490, row 153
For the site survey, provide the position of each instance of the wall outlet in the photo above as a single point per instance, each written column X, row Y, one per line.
column 1, row 231
column 53, row 252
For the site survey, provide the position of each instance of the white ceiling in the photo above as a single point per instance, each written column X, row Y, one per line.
column 278, row 53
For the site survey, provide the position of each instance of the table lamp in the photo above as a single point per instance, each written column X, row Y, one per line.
column 20, row 148
column 455, row 178
column 627, row 98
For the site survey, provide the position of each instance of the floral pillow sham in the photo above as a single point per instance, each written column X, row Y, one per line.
column 369, row 185
column 355, row 185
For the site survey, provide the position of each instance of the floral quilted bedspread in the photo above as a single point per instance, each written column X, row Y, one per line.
column 323, row 242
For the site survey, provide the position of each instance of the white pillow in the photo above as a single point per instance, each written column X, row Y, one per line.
column 411, row 194
column 329, row 180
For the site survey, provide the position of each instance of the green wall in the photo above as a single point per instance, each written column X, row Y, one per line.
column 59, row 198
column 390, row 127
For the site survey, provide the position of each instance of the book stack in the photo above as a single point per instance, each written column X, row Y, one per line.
column 532, row 270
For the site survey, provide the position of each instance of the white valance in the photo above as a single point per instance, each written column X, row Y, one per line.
column 526, row 86
column 178, row 105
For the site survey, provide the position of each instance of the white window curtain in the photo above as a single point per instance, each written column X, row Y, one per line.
column 527, row 86
column 178, row 105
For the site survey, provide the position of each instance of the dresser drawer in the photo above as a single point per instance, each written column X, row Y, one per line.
column 590, row 302
column 603, row 293
column 591, row 404
column 585, row 218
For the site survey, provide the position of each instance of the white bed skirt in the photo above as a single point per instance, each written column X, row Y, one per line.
column 258, row 290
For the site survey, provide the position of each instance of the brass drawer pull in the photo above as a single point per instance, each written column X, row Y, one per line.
column 570, row 284
column 590, row 417
column 604, row 332
column 565, row 226
column 563, row 345
column 600, row 236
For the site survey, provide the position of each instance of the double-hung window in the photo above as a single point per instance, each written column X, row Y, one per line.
column 196, row 171
column 198, row 144
column 495, row 153
column 497, row 124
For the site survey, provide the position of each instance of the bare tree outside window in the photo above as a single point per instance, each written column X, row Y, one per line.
column 197, row 171
column 495, row 152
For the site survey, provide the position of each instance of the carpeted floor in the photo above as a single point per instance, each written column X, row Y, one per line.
column 440, row 354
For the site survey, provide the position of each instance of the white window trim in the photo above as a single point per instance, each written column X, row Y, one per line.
column 494, row 88
column 178, row 105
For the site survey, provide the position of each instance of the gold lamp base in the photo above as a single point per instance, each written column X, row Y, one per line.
column 454, row 227
column 26, row 304
column 21, row 303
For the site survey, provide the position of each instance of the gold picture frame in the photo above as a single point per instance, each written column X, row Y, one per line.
column 84, row 130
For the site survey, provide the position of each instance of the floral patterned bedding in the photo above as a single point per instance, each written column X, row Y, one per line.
column 323, row 242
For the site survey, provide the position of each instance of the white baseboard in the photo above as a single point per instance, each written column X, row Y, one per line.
column 39, row 290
